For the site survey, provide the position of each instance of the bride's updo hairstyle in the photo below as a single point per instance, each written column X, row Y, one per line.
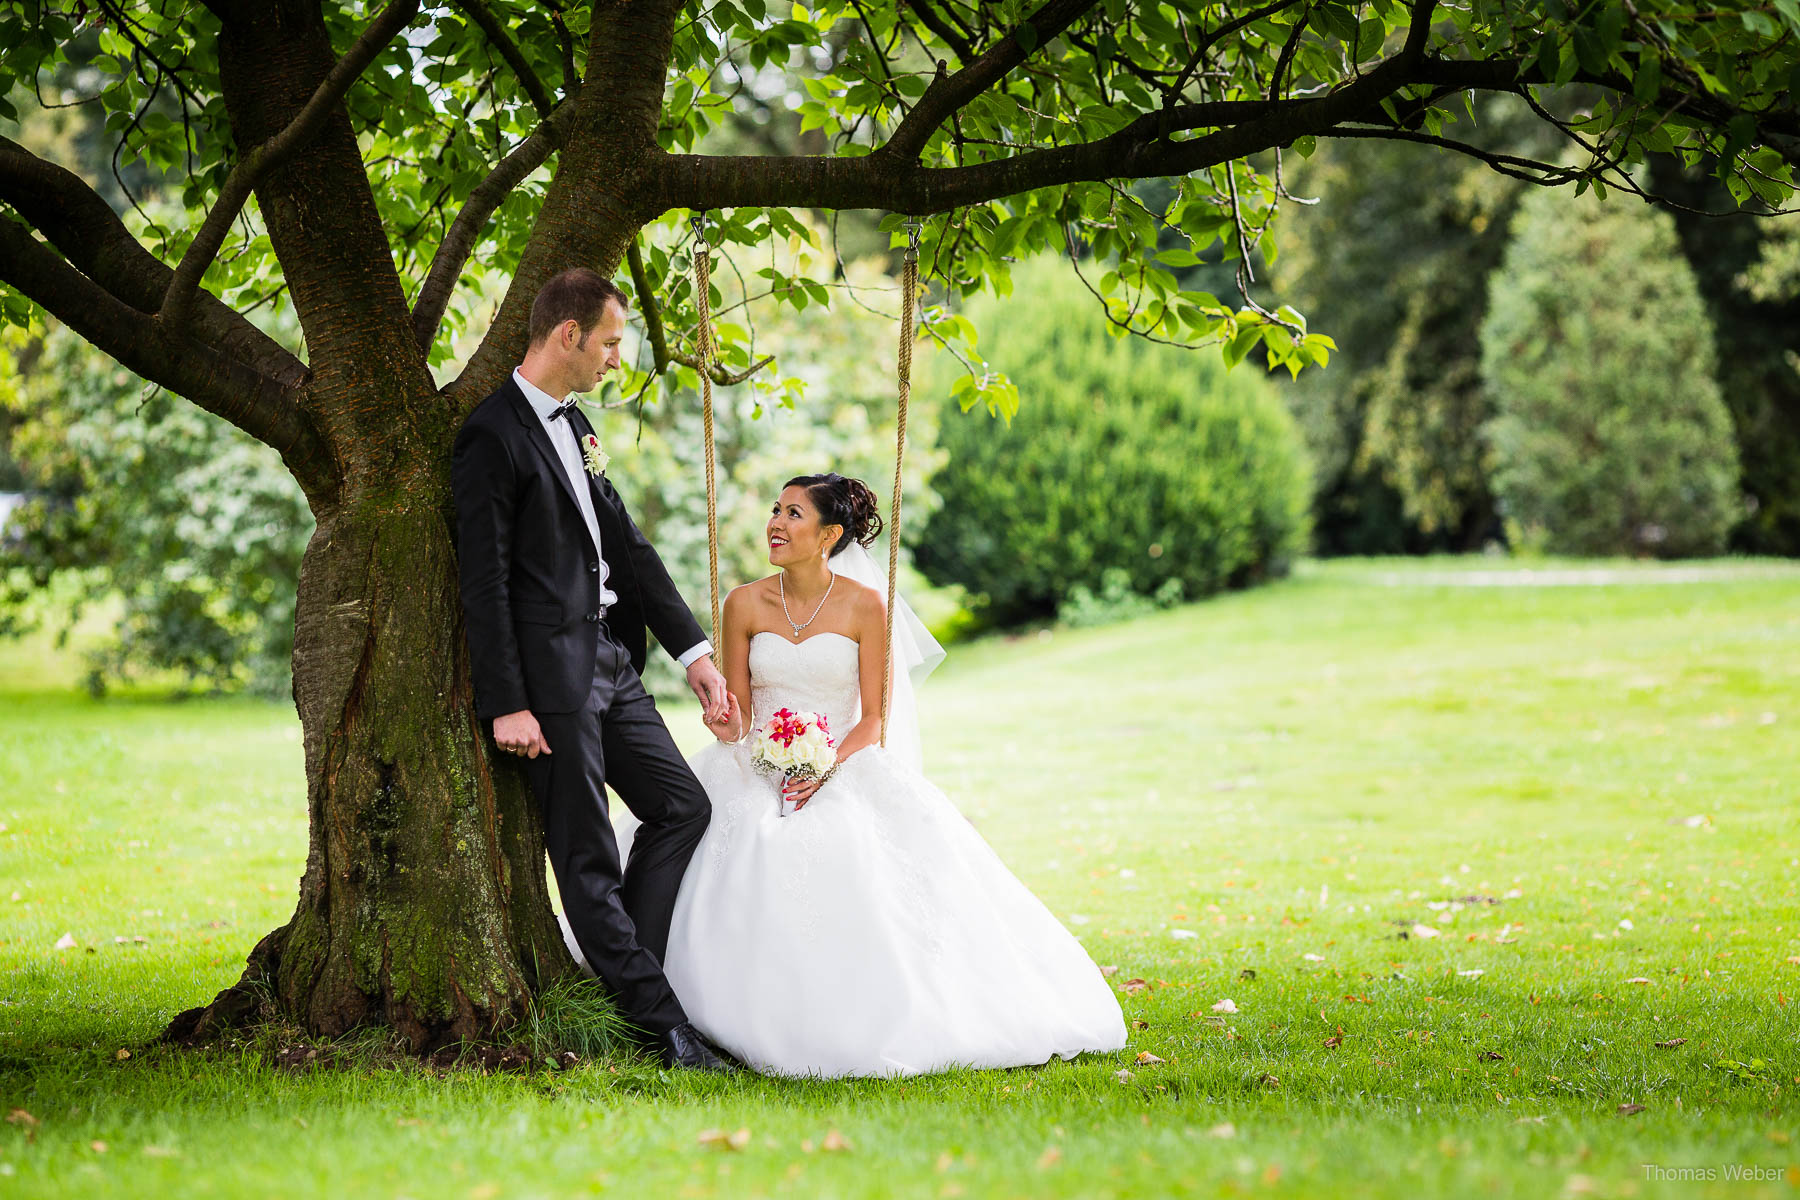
column 842, row 501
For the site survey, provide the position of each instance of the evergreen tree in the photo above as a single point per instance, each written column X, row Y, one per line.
column 1610, row 434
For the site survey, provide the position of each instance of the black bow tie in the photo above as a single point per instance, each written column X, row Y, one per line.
column 562, row 410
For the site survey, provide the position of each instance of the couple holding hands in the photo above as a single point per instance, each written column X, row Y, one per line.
column 871, row 932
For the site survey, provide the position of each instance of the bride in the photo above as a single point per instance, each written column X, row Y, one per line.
column 871, row 931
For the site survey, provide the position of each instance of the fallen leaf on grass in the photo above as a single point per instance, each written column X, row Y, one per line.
column 720, row 1140
column 1626, row 1110
column 834, row 1141
column 1424, row 931
column 1123, row 1076
column 65, row 942
column 97, row 1147
column 1670, row 1044
column 1133, row 986
column 1490, row 1056
column 1225, row 1130
column 1637, row 979
column 25, row 1121
column 1109, row 971
column 1313, row 957
column 122, row 1054
column 1145, row 1057
column 1225, row 1006
column 1269, row 1081
column 1049, row 1158
column 1335, row 1040
column 1475, row 974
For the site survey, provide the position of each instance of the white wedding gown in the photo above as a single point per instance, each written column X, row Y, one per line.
column 873, row 932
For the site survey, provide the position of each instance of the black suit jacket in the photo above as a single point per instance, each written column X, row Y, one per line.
column 529, row 576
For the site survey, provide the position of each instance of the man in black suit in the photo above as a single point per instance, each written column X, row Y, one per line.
column 558, row 585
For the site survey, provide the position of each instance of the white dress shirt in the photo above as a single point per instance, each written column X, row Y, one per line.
column 562, row 436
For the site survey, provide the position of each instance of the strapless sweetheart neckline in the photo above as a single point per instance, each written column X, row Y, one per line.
column 790, row 642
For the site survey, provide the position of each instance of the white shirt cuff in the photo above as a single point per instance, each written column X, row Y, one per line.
column 701, row 647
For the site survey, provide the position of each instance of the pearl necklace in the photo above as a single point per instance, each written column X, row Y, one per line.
column 781, row 582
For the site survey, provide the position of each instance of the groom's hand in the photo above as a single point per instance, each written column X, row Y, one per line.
column 518, row 733
column 709, row 688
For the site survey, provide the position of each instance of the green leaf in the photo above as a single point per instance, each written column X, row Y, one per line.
column 1646, row 83
column 1026, row 36
column 1547, row 56
column 1239, row 346
column 1369, row 39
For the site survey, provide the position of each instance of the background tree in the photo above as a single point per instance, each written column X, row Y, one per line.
column 364, row 158
column 1394, row 257
column 135, row 494
column 1609, row 434
column 1754, row 314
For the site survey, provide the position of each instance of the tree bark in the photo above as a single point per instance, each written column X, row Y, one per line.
column 423, row 905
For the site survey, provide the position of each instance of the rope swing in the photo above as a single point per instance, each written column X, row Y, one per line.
column 909, row 292
column 703, row 298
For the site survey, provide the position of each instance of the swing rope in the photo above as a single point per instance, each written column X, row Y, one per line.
column 703, row 298
column 909, row 288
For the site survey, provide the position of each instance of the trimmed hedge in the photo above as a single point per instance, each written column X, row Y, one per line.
column 1125, row 456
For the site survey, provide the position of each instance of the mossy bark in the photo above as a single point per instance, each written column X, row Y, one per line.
column 423, row 905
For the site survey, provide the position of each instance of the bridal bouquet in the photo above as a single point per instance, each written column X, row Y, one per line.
column 793, row 745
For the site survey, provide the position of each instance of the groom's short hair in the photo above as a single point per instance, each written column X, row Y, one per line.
column 578, row 294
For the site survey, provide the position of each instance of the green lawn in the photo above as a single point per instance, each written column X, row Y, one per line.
column 1588, row 791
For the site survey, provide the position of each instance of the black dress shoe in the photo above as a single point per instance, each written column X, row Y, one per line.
column 683, row 1046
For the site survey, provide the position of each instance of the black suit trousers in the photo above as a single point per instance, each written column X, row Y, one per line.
column 620, row 918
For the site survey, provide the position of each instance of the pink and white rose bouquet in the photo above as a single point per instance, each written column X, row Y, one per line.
column 794, row 745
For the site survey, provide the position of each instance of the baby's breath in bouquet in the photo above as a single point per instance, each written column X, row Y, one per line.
column 794, row 745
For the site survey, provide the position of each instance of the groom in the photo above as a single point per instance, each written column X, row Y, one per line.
column 558, row 585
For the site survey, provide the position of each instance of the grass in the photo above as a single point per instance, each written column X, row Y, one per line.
column 1577, row 787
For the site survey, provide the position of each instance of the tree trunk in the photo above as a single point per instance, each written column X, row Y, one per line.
column 423, row 905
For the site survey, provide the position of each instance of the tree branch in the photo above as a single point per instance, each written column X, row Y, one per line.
column 658, row 336
column 459, row 242
column 219, row 383
column 653, row 325
column 73, row 217
column 1142, row 149
column 948, row 93
column 178, row 300
column 1548, row 174
column 1216, row 36
column 509, row 50
column 571, row 78
column 955, row 37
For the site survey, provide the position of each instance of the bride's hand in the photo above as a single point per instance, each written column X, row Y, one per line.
column 799, row 791
column 727, row 727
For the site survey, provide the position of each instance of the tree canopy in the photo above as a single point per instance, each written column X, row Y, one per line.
column 1014, row 126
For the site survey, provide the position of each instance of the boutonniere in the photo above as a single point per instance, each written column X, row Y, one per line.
column 596, row 457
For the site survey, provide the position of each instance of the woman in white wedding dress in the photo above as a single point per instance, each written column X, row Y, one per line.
column 871, row 931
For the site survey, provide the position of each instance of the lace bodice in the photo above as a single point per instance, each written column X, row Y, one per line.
column 816, row 675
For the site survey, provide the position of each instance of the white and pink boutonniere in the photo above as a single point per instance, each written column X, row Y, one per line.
column 595, row 456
